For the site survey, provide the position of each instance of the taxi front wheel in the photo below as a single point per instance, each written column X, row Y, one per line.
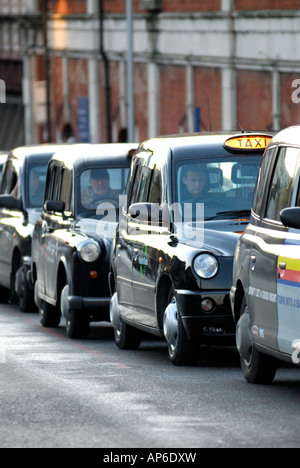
column 258, row 368
column 182, row 351
column 77, row 326
column 77, row 321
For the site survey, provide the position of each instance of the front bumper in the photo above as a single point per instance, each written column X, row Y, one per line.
column 216, row 326
column 96, row 307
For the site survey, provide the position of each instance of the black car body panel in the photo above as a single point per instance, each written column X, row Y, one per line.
column 154, row 257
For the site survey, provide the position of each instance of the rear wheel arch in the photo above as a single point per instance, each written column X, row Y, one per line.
column 62, row 281
column 239, row 296
column 112, row 282
column 162, row 295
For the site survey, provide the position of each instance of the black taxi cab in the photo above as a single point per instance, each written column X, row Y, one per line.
column 21, row 199
column 265, row 294
column 187, row 201
column 72, row 239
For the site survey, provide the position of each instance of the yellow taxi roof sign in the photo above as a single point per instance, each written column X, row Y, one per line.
column 248, row 142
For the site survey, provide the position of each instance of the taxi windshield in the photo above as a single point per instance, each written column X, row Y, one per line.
column 99, row 190
column 222, row 187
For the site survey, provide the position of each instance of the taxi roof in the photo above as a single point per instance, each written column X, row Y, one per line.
column 80, row 155
column 23, row 152
column 206, row 145
column 290, row 135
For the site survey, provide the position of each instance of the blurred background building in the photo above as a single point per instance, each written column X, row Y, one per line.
column 198, row 65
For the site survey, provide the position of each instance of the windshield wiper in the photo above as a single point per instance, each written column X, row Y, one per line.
column 230, row 214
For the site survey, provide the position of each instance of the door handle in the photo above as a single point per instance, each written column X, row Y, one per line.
column 281, row 266
column 253, row 261
column 47, row 230
column 135, row 255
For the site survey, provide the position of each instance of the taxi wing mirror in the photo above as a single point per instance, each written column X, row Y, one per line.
column 290, row 217
column 56, row 206
column 7, row 201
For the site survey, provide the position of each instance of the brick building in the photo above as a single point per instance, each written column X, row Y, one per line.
column 198, row 65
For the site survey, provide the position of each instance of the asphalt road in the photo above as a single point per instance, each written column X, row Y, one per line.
column 60, row 393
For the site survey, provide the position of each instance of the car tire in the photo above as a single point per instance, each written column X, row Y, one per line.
column 77, row 321
column 25, row 293
column 257, row 367
column 126, row 337
column 14, row 299
column 49, row 315
column 77, row 326
column 182, row 351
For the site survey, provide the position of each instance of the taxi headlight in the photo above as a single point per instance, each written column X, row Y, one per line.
column 89, row 251
column 206, row 266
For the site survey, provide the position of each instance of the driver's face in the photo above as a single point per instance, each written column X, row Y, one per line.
column 99, row 186
column 195, row 182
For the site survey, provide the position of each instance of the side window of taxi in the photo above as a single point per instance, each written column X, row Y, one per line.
column 262, row 180
column 133, row 187
column 147, row 186
column 53, row 183
column 282, row 182
column 66, row 189
column 9, row 183
column 155, row 192
column 143, row 185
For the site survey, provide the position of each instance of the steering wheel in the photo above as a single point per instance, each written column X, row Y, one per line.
column 213, row 201
column 98, row 200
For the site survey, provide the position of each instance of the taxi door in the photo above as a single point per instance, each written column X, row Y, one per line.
column 145, row 249
column 124, row 249
column 123, row 261
column 288, row 293
column 262, row 285
column 288, row 280
column 48, row 241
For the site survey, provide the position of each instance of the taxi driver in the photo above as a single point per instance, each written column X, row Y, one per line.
column 99, row 189
column 195, row 179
